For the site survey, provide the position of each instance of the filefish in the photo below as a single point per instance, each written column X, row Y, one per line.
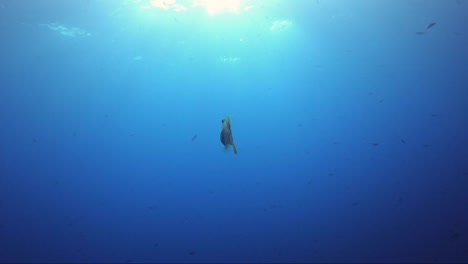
column 226, row 134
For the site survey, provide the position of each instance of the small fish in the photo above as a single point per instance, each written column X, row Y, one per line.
column 375, row 144
column 400, row 199
column 419, row 33
column 431, row 25
column 455, row 235
column 226, row 134
column 194, row 137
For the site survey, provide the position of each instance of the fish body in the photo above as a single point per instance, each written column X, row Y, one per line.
column 226, row 134
column 431, row 25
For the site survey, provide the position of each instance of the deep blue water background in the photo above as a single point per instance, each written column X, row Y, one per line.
column 351, row 131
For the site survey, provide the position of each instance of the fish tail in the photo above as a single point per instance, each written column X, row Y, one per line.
column 234, row 148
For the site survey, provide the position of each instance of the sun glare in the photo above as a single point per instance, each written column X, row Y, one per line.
column 168, row 4
column 214, row 7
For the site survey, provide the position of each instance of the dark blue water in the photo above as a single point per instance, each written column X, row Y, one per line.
column 350, row 119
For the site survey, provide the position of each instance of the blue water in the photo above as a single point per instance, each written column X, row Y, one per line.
column 350, row 119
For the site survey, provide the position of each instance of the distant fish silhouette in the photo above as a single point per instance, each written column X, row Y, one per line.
column 427, row 27
column 455, row 236
column 431, row 25
column 194, row 137
column 400, row 199
column 226, row 134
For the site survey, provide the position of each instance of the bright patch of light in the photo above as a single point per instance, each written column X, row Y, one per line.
column 161, row 4
column 227, row 59
column 168, row 4
column 280, row 25
column 248, row 7
column 71, row 32
column 214, row 7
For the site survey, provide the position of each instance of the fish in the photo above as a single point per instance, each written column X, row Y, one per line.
column 431, row 25
column 226, row 134
column 419, row 33
column 194, row 137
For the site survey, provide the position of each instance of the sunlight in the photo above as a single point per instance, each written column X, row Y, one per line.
column 214, row 7
column 168, row 4
column 280, row 25
column 71, row 32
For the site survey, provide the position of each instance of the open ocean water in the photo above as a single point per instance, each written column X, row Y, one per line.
column 350, row 119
